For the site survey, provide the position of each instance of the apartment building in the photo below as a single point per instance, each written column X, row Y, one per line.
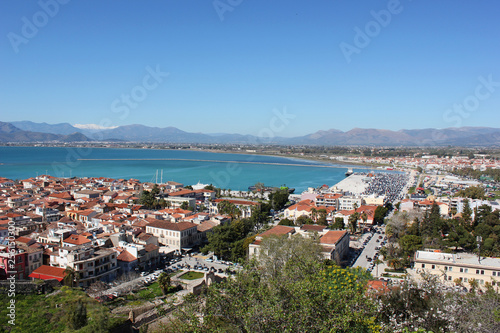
column 334, row 243
column 175, row 235
column 91, row 264
column 461, row 267
column 245, row 206
column 348, row 202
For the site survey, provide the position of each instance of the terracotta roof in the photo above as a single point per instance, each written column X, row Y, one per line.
column 151, row 247
column 144, row 236
column 377, row 286
column 206, row 225
column 25, row 240
column 181, row 226
column 239, row 202
column 278, row 230
column 46, row 272
column 76, row 240
column 332, row 236
column 126, row 256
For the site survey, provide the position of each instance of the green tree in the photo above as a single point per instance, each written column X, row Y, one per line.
column 379, row 214
column 322, row 217
column 338, row 224
column 409, row 244
column 303, row 219
column 226, row 207
column 314, row 214
column 286, row 221
column 147, row 199
column 472, row 192
column 353, row 222
column 210, row 187
column 162, row 203
column 164, row 282
column 184, row 205
column 279, row 198
column 286, row 289
column 467, row 215
column 155, row 191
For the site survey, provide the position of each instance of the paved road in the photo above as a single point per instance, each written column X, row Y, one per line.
column 369, row 251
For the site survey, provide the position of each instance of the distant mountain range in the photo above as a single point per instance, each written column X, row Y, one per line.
column 11, row 133
column 27, row 131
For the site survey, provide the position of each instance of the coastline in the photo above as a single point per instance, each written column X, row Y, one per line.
column 333, row 163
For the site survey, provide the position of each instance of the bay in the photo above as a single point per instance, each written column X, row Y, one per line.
column 223, row 170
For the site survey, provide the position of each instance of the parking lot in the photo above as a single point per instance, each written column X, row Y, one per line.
column 372, row 242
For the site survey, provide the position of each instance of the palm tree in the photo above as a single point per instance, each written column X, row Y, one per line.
column 314, row 214
column 364, row 217
column 394, row 263
column 70, row 276
column 353, row 222
column 473, row 284
column 458, row 282
column 164, row 282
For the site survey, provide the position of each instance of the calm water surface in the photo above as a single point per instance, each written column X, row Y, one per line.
column 219, row 169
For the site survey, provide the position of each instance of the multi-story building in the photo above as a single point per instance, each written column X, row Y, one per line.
column 90, row 264
column 175, row 235
column 245, row 206
column 334, row 243
column 12, row 262
column 328, row 200
column 459, row 268
column 348, row 202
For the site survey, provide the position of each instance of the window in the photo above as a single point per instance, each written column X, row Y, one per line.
column 423, row 265
column 449, row 278
column 494, row 273
column 465, row 279
column 482, row 272
column 477, row 271
column 461, row 270
column 466, row 270
column 450, row 269
column 434, row 267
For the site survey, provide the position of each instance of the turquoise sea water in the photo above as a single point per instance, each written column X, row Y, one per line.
column 219, row 169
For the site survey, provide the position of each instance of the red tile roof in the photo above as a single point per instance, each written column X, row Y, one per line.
column 332, row 236
column 77, row 240
column 46, row 272
column 278, row 230
column 181, row 226
column 126, row 256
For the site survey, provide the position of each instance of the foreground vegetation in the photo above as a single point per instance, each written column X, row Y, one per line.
column 292, row 290
column 68, row 310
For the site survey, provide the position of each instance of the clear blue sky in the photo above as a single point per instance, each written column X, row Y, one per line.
column 229, row 75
